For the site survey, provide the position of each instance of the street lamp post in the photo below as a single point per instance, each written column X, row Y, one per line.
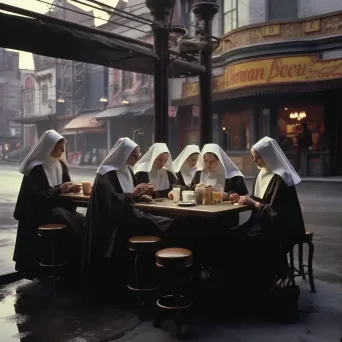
column 205, row 11
column 160, row 11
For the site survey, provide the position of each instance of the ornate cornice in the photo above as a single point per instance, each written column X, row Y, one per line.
column 313, row 27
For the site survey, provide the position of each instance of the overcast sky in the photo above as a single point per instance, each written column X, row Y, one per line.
column 26, row 61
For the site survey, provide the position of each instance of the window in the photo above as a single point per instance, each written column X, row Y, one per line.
column 230, row 20
column 45, row 95
column 282, row 10
column 127, row 80
column 29, row 101
column 236, row 131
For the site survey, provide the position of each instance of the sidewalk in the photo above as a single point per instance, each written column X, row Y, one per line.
column 333, row 180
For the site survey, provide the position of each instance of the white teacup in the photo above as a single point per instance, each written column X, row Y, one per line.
column 188, row 196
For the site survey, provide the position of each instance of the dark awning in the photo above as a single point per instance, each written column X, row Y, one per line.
column 147, row 109
column 111, row 113
column 33, row 119
column 52, row 37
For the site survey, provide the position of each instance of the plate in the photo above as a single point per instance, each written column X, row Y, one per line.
column 186, row 204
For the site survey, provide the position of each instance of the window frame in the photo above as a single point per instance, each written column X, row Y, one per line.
column 229, row 14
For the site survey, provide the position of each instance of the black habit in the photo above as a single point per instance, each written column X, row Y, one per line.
column 272, row 229
column 38, row 203
column 142, row 177
column 110, row 221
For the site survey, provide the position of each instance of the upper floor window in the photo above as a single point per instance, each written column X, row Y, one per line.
column 230, row 19
column 45, row 95
column 127, row 80
column 282, row 10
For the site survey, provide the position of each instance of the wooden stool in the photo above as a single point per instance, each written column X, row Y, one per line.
column 52, row 248
column 175, row 265
column 143, row 279
column 300, row 272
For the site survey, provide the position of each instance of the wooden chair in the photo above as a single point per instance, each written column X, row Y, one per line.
column 300, row 272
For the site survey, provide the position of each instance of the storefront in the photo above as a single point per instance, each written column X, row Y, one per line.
column 273, row 97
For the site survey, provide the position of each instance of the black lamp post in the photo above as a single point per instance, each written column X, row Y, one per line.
column 205, row 12
column 160, row 11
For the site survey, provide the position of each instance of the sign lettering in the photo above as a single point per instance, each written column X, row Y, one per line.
column 279, row 70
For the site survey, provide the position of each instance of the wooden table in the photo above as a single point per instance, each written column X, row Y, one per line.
column 79, row 199
column 167, row 207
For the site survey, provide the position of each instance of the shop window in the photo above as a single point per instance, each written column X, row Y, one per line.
column 290, row 126
column 236, row 131
column 230, row 20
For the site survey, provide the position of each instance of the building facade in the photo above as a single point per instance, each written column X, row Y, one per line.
column 270, row 77
column 10, row 101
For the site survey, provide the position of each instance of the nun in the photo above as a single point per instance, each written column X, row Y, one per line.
column 112, row 219
column 276, row 222
column 155, row 167
column 185, row 165
column 215, row 167
column 46, row 177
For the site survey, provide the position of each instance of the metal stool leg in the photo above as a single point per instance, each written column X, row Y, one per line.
column 300, row 260
column 292, row 266
column 310, row 268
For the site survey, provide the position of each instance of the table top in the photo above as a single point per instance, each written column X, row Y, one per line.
column 76, row 196
column 167, row 206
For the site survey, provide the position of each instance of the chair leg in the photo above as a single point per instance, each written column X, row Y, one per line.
column 310, row 268
column 300, row 260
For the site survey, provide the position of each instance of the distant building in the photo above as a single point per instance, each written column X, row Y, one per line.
column 10, row 101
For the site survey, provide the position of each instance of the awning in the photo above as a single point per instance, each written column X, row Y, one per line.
column 33, row 119
column 53, row 37
column 84, row 122
column 142, row 110
column 114, row 112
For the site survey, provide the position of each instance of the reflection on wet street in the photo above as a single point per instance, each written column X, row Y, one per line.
column 30, row 313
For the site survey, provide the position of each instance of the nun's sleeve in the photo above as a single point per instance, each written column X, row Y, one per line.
column 236, row 185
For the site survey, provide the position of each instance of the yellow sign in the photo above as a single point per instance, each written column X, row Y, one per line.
column 278, row 70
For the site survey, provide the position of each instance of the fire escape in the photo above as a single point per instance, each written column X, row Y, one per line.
column 71, row 75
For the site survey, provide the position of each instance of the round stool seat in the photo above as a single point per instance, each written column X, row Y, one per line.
column 52, row 226
column 174, row 257
column 148, row 243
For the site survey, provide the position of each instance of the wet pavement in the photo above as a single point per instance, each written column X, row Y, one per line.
column 29, row 312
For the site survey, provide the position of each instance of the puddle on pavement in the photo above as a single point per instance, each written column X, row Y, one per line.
column 29, row 313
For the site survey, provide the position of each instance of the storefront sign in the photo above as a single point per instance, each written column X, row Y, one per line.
column 278, row 70
column 172, row 111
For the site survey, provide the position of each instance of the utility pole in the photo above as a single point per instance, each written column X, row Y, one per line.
column 160, row 11
column 205, row 10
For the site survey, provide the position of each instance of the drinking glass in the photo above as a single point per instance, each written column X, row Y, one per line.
column 217, row 194
column 176, row 192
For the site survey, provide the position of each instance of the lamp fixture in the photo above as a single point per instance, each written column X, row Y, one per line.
column 298, row 116
column 125, row 102
column 103, row 99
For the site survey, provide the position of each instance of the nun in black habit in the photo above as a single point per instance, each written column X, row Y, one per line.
column 112, row 219
column 185, row 165
column 276, row 222
column 46, row 177
column 155, row 167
